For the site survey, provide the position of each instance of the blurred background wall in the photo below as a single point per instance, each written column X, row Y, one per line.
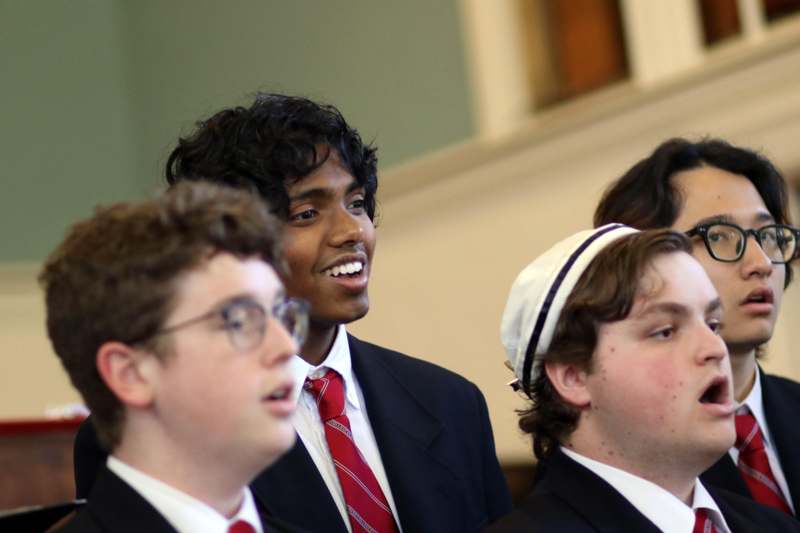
column 498, row 124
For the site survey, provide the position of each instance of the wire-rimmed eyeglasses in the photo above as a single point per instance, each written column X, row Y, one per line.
column 245, row 320
column 727, row 242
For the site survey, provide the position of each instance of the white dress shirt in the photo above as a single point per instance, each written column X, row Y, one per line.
column 311, row 431
column 185, row 513
column 755, row 403
column 658, row 505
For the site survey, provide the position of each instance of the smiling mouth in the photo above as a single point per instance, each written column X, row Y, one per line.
column 350, row 269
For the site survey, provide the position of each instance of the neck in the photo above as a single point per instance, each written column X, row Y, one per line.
column 669, row 473
column 211, row 478
column 318, row 343
column 743, row 365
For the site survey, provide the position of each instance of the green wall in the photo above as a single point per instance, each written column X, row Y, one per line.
column 100, row 89
column 65, row 129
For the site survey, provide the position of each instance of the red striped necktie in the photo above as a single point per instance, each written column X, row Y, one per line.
column 754, row 464
column 367, row 507
column 702, row 522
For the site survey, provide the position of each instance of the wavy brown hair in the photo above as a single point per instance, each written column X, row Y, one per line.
column 113, row 277
column 604, row 293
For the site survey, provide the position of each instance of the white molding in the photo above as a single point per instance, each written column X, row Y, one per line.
column 495, row 57
column 744, row 92
column 662, row 38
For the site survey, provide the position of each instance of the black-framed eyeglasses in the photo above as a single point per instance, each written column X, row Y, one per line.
column 727, row 242
column 245, row 320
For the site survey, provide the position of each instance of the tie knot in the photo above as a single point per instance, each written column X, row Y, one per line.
column 329, row 393
column 748, row 434
column 702, row 522
column 240, row 526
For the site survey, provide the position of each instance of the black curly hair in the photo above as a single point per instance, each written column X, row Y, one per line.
column 277, row 138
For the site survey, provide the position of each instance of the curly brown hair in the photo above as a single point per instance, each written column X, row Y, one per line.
column 604, row 293
column 113, row 277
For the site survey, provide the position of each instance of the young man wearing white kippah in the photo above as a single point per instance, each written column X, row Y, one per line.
column 721, row 195
column 614, row 336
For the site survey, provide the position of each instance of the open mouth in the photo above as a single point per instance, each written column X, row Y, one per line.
column 283, row 393
column 717, row 392
column 759, row 296
column 349, row 269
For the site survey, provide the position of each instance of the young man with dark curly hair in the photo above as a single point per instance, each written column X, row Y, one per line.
column 418, row 452
column 613, row 334
column 171, row 321
column 732, row 202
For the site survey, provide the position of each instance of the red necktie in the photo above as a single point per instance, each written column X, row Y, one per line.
column 754, row 465
column 366, row 504
column 702, row 523
column 240, row 526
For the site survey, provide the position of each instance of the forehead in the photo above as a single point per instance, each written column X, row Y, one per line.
column 677, row 280
column 709, row 192
column 221, row 277
column 332, row 175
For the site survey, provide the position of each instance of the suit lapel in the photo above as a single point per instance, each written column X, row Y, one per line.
column 406, row 433
column 119, row 508
column 736, row 520
column 591, row 497
column 292, row 489
column 785, row 432
column 724, row 474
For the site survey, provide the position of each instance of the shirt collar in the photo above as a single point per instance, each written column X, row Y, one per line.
column 755, row 403
column 182, row 511
column 338, row 359
column 658, row 505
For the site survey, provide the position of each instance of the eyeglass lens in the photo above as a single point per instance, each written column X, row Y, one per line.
column 246, row 321
column 728, row 242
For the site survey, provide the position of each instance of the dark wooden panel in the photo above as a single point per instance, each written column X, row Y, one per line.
column 36, row 463
column 720, row 19
column 589, row 44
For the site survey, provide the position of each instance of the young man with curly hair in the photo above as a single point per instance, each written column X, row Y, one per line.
column 418, row 453
column 171, row 321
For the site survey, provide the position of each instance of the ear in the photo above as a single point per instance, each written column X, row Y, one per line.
column 128, row 372
column 569, row 380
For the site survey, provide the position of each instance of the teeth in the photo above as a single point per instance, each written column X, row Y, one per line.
column 279, row 395
column 347, row 268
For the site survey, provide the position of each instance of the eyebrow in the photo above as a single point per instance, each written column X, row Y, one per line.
column 761, row 216
column 323, row 193
column 678, row 309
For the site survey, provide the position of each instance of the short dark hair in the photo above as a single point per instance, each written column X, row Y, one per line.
column 605, row 293
column 645, row 196
column 113, row 277
column 277, row 138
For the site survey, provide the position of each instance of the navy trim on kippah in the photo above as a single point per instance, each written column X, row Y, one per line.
column 548, row 302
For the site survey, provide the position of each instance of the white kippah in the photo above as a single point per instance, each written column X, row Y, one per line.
column 540, row 291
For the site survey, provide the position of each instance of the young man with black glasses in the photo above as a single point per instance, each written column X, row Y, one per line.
column 171, row 321
column 722, row 195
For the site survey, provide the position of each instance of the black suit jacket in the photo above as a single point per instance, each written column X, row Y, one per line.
column 115, row 507
column 435, row 440
column 781, row 406
column 571, row 498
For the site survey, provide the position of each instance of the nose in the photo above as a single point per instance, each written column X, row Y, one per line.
column 346, row 229
column 711, row 347
column 278, row 345
column 755, row 261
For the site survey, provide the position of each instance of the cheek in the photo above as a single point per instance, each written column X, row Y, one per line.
column 777, row 283
column 369, row 237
